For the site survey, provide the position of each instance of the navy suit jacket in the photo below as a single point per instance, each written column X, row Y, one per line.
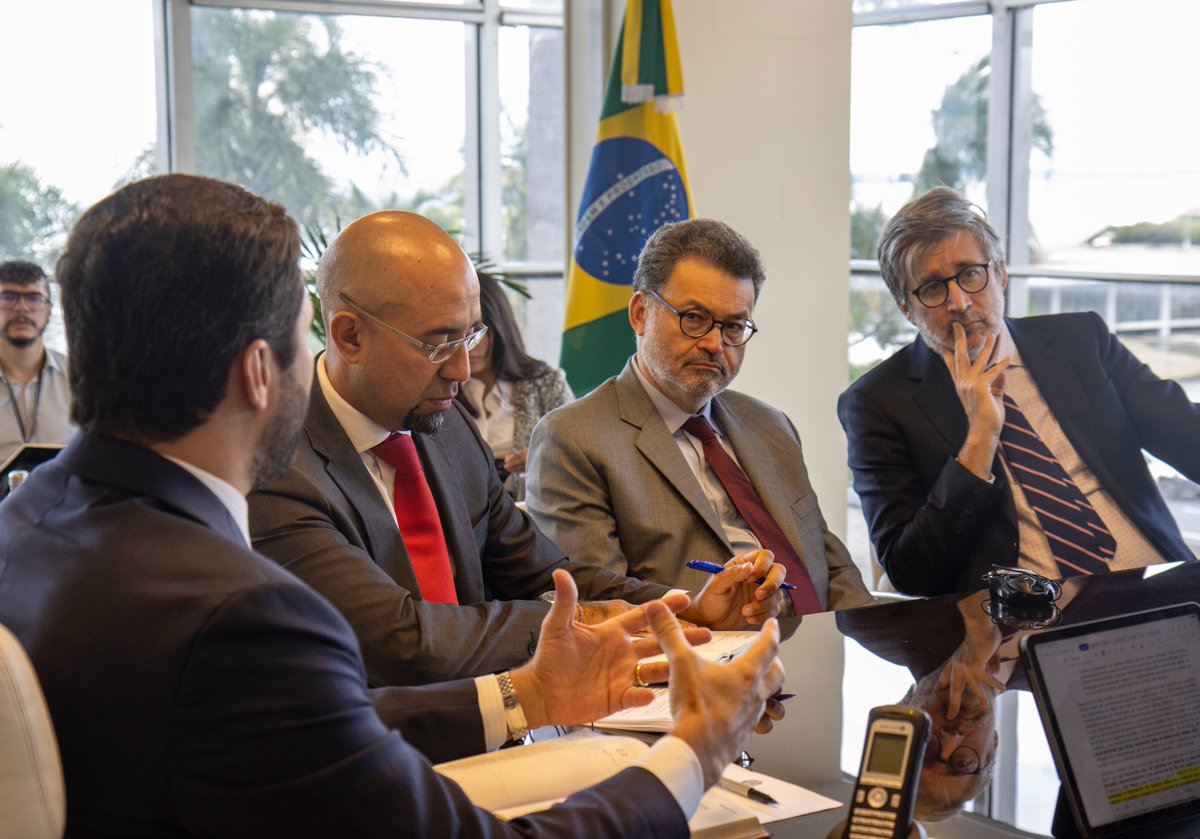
column 936, row 527
column 198, row 689
column 325, row 521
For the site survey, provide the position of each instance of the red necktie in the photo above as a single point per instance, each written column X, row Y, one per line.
column 741, row 493
column 417, row 516
column 1079, row 541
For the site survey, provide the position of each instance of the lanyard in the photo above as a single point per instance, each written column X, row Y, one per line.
column 37, row 401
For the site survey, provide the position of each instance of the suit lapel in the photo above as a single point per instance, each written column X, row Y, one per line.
column 345, row 468
column 936, row 397
column 935, row 394
column 1069, row 402
column 751, row 446
column 662, row 451
column 456, row 526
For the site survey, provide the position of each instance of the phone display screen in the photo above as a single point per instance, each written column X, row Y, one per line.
column 887, row 753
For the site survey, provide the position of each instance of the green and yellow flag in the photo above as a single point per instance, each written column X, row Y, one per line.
column 636, row 183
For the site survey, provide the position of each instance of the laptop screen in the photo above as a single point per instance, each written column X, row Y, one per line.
column 1120, row 700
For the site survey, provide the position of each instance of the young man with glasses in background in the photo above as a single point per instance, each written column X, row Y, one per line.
column 36, row 398
column 1013, row 442
column 662, row 465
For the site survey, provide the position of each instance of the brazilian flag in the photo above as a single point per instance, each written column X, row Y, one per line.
column 636, row 183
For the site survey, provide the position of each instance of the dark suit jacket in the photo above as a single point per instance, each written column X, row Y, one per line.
column 936, row 527
column 607, row 482
column 326, row 522
column 198, row 689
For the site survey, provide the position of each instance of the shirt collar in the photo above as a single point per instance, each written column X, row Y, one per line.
column 671, row 414
column 226, row 493
column 1005, row 348
column 364, row 433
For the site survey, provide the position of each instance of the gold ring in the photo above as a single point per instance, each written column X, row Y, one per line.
column 637, row 675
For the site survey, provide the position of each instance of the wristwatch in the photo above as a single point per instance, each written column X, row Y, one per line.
column 514, row 716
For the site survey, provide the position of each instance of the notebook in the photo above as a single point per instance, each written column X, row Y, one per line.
column 1120, row 701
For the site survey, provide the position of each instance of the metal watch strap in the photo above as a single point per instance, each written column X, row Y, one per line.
column 514, row 717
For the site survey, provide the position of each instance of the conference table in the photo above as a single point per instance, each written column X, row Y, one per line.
column 842, row 664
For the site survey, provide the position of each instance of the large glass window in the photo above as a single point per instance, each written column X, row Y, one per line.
column 333, row 116
column 1121, row 192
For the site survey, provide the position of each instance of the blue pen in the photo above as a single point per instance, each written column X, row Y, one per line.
column 713, row 568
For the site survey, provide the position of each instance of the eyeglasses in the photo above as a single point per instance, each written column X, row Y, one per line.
column 34, row 300
column 696, row 323
column 437, row 352
column 964, row 760
column 972, row 279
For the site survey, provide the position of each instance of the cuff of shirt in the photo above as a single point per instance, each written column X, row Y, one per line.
column 491, row 708
column 674, row 763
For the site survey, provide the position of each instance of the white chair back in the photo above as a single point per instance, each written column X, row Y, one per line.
column 32, row 799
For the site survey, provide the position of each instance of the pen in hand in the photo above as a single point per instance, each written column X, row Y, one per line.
column 713, row 568
column 746, row 791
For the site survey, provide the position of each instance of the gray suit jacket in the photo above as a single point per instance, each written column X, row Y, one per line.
column 325, row 521
column 607, row 481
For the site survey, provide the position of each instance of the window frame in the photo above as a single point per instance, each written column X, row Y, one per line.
column 483, row 227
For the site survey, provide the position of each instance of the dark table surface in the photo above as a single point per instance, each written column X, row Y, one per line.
column 842, row 664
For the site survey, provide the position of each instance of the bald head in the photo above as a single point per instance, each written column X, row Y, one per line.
column 387, row 258
column 387, row 272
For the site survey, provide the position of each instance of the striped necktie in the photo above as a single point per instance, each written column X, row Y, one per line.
column 804, row 597
column 1078, row 538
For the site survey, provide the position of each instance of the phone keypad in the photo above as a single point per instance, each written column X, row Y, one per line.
column 872, row 821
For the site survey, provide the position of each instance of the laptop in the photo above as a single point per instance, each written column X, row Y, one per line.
column 1120, row 701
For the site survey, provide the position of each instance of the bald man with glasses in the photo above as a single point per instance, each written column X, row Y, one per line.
column 1013, row 442
column 392, row 508
column 662, row 464
column 36, row 396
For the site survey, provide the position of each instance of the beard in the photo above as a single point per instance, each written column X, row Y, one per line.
column 419, row 423
column 277, row 446
column 674, row 373
column 23, row 342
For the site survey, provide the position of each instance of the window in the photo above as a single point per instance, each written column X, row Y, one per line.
column 1091, row 177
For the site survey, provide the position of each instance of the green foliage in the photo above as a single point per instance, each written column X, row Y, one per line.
column 865, row 227
column 875, row 315
column 960, row 126
column 34, row 216
column 1179, row 230
column 264, row 81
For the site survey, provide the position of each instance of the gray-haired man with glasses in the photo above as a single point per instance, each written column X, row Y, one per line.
column 35, row 404
column 1005, row 441
column 662, row 465
column 392, row 508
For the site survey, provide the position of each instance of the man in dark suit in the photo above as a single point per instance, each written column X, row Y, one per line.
column 195, row 687
column 437, row 570
column 619, row 480
column 1012, row 442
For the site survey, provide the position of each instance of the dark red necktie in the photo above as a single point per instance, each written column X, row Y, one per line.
column 741, row 493
column 417, row 516
column 1080, row 542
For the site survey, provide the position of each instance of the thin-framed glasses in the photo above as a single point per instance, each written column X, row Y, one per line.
column 972, row 280
column 34, row 300
column 696, row 323
column 437, row 352
column 964, row 760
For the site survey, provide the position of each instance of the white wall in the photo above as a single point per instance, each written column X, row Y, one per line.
column 766, row 134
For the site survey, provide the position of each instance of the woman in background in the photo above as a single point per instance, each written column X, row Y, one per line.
column 509, row 390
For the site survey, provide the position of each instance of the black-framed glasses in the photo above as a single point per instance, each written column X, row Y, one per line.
column 972, row 280
column 964, row 760
column 34, row 300
column 437, row 353
column 696, row 323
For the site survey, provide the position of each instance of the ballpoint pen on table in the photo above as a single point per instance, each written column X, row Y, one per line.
column 747, row 791
column 713, row 568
